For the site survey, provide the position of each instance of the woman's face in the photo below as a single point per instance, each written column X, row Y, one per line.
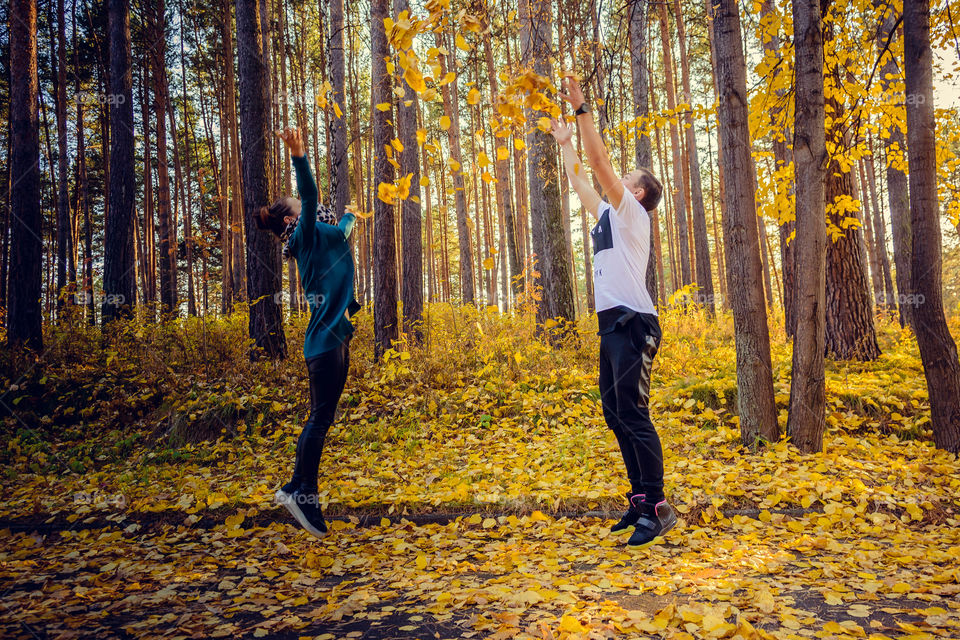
column 294, row 205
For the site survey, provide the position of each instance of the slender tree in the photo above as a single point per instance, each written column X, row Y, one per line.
column 547, row 234
column 895, row 146
column 702, row 253
column 411, row 292
column 384, row 242
column 24, row 313
column 264, row 269
column 119, row 278
column 758, row 414
column 807, row 417
column 938, row 351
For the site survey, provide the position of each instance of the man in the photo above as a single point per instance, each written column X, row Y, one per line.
column 629, row 330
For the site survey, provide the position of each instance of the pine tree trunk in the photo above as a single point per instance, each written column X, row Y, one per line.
column 64, row 230
column 384, row 242
column 119, row 284
column 879, row 230
column 264, row 268
column 637, row 12
column 410, row 212
column 807, row 417
column 850, row 328
column 758, row 414
column 895, row 146
column 25, row 274
column 168, row 245
column 702, row 254
column 679, row 199
column 338, row 125
column 938, row 351
column 547, row 235
column 83, row 190
column 451, row 110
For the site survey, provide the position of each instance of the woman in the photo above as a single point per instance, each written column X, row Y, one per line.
column 326, row 269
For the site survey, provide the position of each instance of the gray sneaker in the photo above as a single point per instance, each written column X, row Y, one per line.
column 305, row 507
column 654, row 522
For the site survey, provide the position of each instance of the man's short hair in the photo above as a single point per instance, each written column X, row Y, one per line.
column 653, row 189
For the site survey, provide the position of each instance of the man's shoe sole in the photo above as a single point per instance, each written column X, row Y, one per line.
column 286, row 500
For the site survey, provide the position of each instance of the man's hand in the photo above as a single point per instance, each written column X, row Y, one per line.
column 574, row 94
column 293, row 141
column 561, row 132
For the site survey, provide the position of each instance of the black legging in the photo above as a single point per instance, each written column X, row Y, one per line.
column 626, row 358
column 328, row 374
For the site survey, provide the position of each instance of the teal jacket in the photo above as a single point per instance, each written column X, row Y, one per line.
column 326, row 268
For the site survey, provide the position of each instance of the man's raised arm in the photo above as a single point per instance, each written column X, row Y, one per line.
column 574, row 168
column 593, row 146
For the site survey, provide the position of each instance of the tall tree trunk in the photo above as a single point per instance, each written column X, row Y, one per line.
column 879, row 230
column 549, row 242
column 24, row 313
column 64, row 231
column 895, row 146
column 384, row 245
column 338, row 126
column 147, row 260
column 168, row 244
column 702, row 254
column 758, row 414
column 188, row 202
column 850, row 328
column 452, row 112
column 83, row 197
column 938, row 351
column 807, row 417
column 119, row 284
column 679, row 199
column 264, row 279
column 412, row 243
column 501, row 169
column 637, row 13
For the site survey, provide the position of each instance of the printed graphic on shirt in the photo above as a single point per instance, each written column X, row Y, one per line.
column 602, row 234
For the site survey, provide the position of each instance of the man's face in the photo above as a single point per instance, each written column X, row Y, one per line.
column 631, row 184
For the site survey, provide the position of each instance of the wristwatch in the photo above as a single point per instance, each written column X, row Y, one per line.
column 582, row 109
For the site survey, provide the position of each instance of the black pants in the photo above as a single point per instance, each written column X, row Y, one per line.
column 328, row 374
column 628, row 345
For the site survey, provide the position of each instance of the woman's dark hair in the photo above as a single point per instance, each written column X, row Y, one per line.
column 271, row 218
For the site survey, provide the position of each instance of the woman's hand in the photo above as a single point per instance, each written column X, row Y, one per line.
column 293, row 141
column 561, row 132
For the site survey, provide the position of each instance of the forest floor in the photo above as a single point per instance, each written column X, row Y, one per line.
column 470, row 484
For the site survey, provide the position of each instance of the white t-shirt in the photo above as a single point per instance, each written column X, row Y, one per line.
column 621, row 248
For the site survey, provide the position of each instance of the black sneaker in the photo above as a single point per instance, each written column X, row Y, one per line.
column 632, row 514
column 653, row 523
column 305, row 507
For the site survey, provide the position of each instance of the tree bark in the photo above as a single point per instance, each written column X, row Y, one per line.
column 384, row 243
column 452, row 111
column 637, row 12
column 264, row 270
column 938, row 351
column 850, row 328
column 547, row 235
column 168, row 244
column 895, row 146
column 758, row 413
column 25, row 276
column 679, row 199
column 705, row 294
column 412, row 240
column 119, row 284
column 64, row 230
column 807, row 417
